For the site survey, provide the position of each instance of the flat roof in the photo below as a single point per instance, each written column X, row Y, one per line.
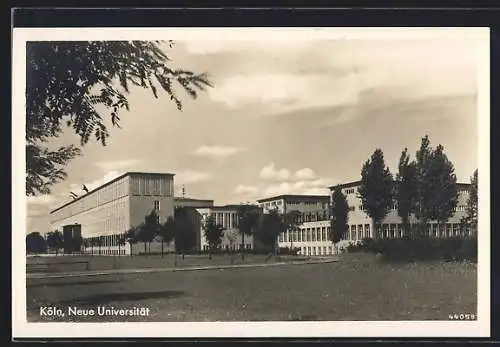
column 296, row 196
column 129, row 173
column 357, row 183
column 191, row 199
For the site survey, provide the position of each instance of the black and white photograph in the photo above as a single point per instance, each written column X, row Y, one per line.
column 279, row 182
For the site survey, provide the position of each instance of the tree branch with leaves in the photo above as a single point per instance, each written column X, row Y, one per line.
column 69, row 81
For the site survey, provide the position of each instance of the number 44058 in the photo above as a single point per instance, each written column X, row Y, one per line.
column 462, row 316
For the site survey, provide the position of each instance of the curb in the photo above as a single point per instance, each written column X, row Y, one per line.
column 194, row 268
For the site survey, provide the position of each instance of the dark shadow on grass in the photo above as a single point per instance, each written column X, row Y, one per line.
column 106, row 298
column 69, row 284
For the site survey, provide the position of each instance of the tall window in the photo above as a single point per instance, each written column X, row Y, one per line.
column 353, row 232
column 157, row 205
column 313, row 234
column 323, row 232
column 303, row 235
column 360, row 231
column 367, row 230
column 318, row 234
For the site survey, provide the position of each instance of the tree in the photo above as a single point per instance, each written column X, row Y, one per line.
column 248, row 220
column 167, row 232
column 376, row 189
column 272, row 225
column 148, row 230
column 67, row 82
column 470, row 220
column 185, row 230
column 55, row 240
column 35, row 243
column 437, row 185
column 213, row 234
column 292, row 224
column 339, row 217
column 406, row 189
column 131, row 237
column 443, row 182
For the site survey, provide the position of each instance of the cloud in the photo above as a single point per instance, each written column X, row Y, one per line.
column 189, row 176
column 118, row 164
column 310, row 187
column 270, row 172
column 217, row 151
column 274, row 83
column 305, row 174
column 246, row 190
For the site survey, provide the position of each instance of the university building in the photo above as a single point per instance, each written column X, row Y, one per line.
column 360, row 224
column 312, row 238
column 227, row 217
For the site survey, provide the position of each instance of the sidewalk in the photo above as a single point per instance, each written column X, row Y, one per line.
column 152, row 270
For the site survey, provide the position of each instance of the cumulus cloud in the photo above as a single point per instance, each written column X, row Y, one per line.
column 270, row 172
column 217, row 151
column 318, row 186
column 190, row 176
column 305, row 174
column 246, row 190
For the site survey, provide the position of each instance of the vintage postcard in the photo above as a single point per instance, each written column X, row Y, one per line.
column 260, row 182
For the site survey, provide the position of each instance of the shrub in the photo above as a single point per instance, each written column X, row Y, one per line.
column 422, row 249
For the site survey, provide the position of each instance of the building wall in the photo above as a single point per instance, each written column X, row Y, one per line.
column 228, row 219
column 106, row 213
column 361, row 226
column 311, row 239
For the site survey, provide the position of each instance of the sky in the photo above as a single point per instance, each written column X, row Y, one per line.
column 288, row 117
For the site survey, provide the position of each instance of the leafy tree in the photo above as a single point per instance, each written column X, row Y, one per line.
column 406, row 189
column 185, row 229
column 55, row 240
column 437, row 185
column 339, row 216
column 148, row 230
column 292, row 224
column 167, row 232
column 470, row 220
column 35, row 243
column 69, row 82
column 248, row 220
column 443, row 182
column 213, row 234
column 376, row 188
column 272, row 225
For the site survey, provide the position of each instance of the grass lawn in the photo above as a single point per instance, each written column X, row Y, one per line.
column 356, row 288
column 66, row 263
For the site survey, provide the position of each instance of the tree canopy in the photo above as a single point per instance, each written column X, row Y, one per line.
column 68, row 82
column 340, row 216
column 376, row 188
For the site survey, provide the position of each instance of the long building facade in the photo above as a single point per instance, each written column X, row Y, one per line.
column 361, row 226
column 107, row 212
column 312, row 239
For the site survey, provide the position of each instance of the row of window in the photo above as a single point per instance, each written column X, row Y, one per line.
column 114, row 191
column 395, row 207
column 320, row 250
column 306, row 235
column 152, row 185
